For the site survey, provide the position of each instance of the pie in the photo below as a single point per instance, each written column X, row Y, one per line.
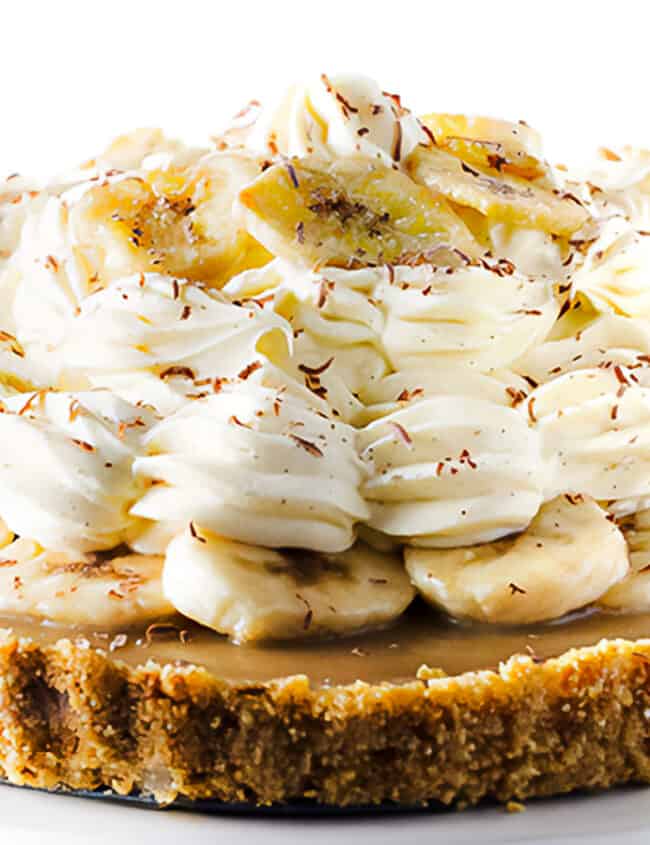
column 325, row 462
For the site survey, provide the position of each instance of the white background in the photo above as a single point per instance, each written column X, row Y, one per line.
column 72, row 74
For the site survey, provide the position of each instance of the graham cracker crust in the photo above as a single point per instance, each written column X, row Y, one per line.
column 77, row 718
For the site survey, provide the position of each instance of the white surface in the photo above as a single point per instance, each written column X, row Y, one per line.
column 37, row 819
column 75, row 73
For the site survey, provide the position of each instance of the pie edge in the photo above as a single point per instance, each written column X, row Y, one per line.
column 72, row 717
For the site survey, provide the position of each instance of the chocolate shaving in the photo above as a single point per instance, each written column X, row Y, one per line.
column 176, row 370
column 516, row 589
column 323, row 291
column 406, row 395
column 467, row 169
column 249, row 370
column 292, row 175
column 300, row 232
column 195, row 534
column 316, row 371
column 574, row 498
column 402, row 433
column 309, row 615
column 83, row 444
column 307, row 445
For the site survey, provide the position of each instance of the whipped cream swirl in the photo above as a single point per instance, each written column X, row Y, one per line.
column 342, row 115
column 258, row 465
column 66, row 468
column 160, row 340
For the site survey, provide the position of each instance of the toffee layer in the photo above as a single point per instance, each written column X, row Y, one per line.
column 394, row 654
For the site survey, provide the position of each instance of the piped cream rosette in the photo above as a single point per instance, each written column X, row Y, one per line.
column 336, row 324
column 163, row 341
column 484, row 318
column 337, row 116
column 66, row 463
column 256, row 464
column 452, row 470
column 613, row 276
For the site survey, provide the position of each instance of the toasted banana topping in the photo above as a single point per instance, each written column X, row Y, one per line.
column 348, row 212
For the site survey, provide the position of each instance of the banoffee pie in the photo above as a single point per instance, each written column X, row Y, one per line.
column 325, row 462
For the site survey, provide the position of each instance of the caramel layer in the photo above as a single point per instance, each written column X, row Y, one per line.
column 394, row 654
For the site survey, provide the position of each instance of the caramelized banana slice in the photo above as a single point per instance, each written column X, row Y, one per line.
column 498, row 145
column 175, row 220
column 500, row 196
column 347, row 212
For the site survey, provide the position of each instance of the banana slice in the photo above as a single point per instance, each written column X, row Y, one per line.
column 225, row 246
column 86, row 590
column 499, row 196
column 632, row 594
column 496, row 145
column 348, row 211
column 66, row 468
column 252, row 593
column 568, row 557
column 594, row 426
column 482, row 317
column 161, row 340
column 452, row 470
column 175, row 219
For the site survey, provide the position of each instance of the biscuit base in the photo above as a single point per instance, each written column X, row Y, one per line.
column 77, row 718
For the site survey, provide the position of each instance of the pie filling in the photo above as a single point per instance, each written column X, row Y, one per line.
column 358, row 389
column 395, row 654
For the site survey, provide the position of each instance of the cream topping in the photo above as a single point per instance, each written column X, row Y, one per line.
column 163, row 340
column 480, row 347
column 341, row 115
column 284, row 473
column 66, row 468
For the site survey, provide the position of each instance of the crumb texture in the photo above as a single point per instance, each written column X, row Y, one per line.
column 72, row 717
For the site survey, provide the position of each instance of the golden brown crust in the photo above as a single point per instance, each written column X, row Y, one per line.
column 74, row 717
